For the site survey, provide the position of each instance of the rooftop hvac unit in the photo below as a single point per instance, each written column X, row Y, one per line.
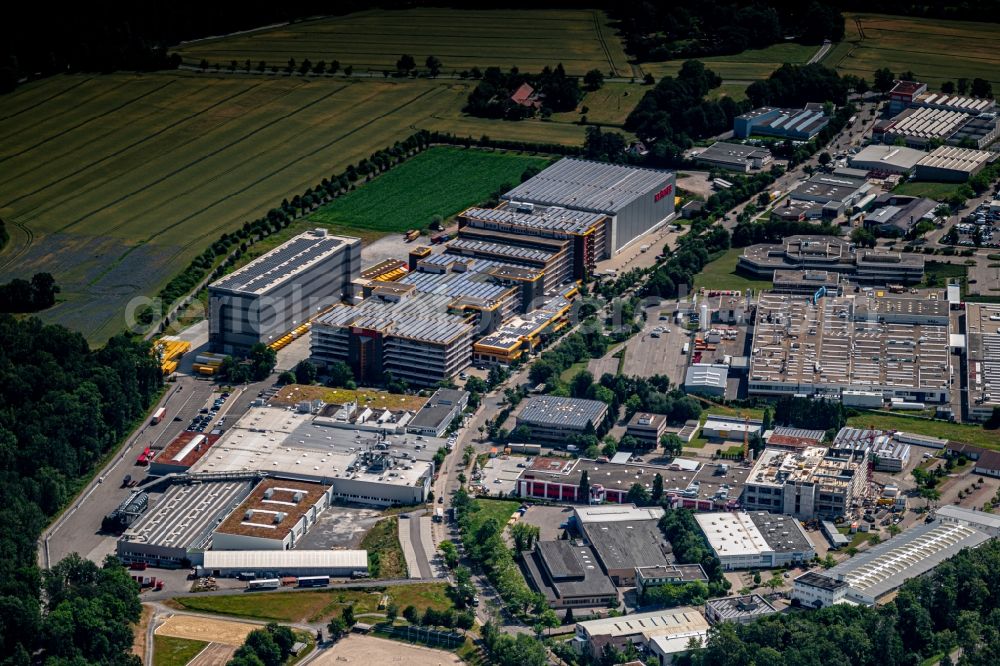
column 297, row 497
column 248, row 515
column 278, row 517
column 268, row 493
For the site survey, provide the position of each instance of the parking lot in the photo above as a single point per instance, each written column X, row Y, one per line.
column 657, row 350
column 548, row 520
column 500, row 474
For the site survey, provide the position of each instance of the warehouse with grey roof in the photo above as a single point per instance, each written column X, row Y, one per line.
column 553, row 418
column 281, row 290
column 635, row 199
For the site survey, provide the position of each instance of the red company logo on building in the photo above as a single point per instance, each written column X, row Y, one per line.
column 662, row 193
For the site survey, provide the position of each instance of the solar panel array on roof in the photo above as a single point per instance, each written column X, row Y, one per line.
column 586, row 185
column 281, row 263
column 420, row 317
column 552, row 218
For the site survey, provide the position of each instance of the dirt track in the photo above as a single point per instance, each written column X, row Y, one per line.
column 216, row 654
column 370, row 650
column 205, row 629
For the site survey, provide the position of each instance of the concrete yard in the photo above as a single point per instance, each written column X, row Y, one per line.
column 547, row 519
column 339, row 527
column 645, row 355
column 355, row 649
column 500, row 475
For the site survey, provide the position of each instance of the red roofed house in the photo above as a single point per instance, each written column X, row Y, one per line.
column 525, row 96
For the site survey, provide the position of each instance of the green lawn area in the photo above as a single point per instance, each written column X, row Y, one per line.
column 938, row 273
column 751, row 412
column 573, row 370
column 171, row 651
column 385, row 555
column 501, row 510
column 748, row 65
column 736, row 91
column 608, row 105
column 441, row 181
column 936, row 191
column 960, row 432
column 319, row 605
column 721, row 274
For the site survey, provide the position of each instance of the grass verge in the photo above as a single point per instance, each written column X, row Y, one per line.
column 959, row 432
column 385, row 555
column 721, row 274
column 171, row 651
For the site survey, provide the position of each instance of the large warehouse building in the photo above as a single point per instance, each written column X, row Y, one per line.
column 635, row 199
column 280, row 291
column 886, row 160
column 948, row 163
column 982, row 344
column 892, row 345
column 271, row 563
column 873, row 575
column 798, row 124
column 553, row 419
column 757, row 540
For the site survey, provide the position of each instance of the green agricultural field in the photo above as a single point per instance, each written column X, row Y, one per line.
column 114, row 183
column 959, row 432
column 920, row 188
column 608, row 105
column 373, row 40
column 171, row 651
column 935, row 50
column 721, row 274
column 440, row 181
column 749, row 65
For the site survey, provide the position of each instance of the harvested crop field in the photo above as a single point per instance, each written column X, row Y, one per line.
column 935, row 50
column 581, row 39
column 216, row 654
column 228, row 632
column 113, row 183
column 355, row 649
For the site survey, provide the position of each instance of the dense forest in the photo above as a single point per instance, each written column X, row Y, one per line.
column 970, row 10
column 956, row 606
column 688, row 28
column 62, row 407
column 20, row 295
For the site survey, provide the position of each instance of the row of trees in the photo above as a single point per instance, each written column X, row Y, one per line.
column 807, row 413
column 20, row 295
column 675, row 276
column 685, row 29
column 690, row 547
column 257, row 366
column 556, row 91
column 64, row 407
column 774, row 230
column 232, row 246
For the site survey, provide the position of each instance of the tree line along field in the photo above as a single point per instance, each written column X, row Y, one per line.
column 933, row 49
column 749, row 65
column 113, row 183
column 440, row 181
column 462, row 39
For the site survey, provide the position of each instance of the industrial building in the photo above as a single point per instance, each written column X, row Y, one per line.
column 951, row 164
column 421, row 327
column 646, row 428
column 668, row 574
column 177, row 529
column 971, row 105
column 636, row 200
column 832, row 254
column 741, row 610
column 873, row 575
column 275, row 516
column 624, row 546
column 522, row 334
column 706, row 378
column 783, row 437
column 588, row 233
column 805, row 484
column 921, row 127
column 553, row 419
column 837, row 194
column 559, row 479
column 903, row 93
column 755, row 540
column 886, row 452
column 885, row 160
column 438, row 412
column 823, row 346
column 794, row 210
column 895, row 214
column 726, row 427
column 979, row 131
column 364, row 456
column 664, row 633
column 568, row 576
column 734, row 156
column 181, row 453
column 796, row 124
column 989, row 523
column 550, row 257
column 982, row 344
column 272, row 564
column 806, row 282
column 281, row 290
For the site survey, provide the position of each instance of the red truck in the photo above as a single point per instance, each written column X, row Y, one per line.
column 147, row 582
column 144, row 457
